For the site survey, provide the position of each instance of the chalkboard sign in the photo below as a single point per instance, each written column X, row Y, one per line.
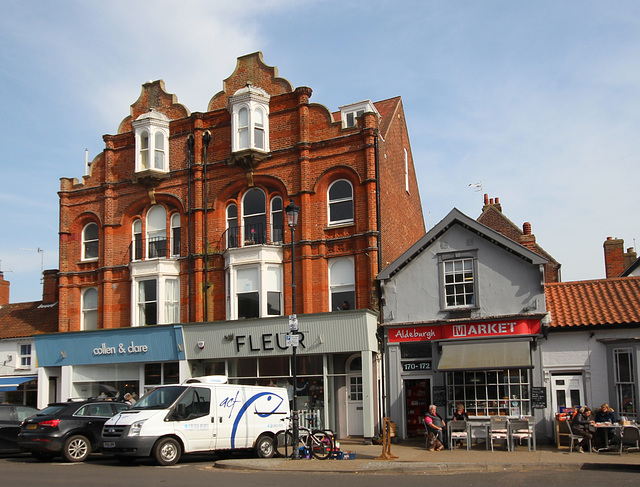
column 440, row 396
column 539, row 397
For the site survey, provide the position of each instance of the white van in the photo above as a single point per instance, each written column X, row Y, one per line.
column 204, row 414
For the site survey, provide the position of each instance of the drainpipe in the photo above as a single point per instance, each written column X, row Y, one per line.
column 190, row 144
column 379, row 289
column 206, row 138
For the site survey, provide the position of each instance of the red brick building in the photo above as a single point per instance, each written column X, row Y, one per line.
column 132, row 232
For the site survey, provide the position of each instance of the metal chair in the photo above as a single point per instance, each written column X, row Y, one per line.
column 499, row 430
column 573, row 437
column 521, row 429
column 630, row 434
column 458, row 432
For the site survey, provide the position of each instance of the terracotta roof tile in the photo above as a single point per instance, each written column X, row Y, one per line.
column 28, row 319
column 597, row 302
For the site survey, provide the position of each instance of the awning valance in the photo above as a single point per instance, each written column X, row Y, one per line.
column 508, row 354
column 12, row 383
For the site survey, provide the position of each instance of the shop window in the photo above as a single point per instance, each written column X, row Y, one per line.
column 340, row 202
column 90, row 242
column 342, row 284
column 625, row 382
column 90, row 309
column 25, row 355
column 459, row 283
column 157, row 373
column 490, row 392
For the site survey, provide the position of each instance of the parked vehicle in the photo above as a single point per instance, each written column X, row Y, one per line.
column 71, row 429
column 11, row 415
column 198, row 416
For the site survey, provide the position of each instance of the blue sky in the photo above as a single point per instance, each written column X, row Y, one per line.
column 538, row 100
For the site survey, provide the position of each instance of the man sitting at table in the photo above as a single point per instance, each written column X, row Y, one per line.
column 581, row 424
column 436, row 425
column 606, row 415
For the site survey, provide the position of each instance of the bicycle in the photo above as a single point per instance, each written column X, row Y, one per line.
column 319, row 443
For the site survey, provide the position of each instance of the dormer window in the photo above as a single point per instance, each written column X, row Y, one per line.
column 350, row 113
column 249, row 108
column 152, row 140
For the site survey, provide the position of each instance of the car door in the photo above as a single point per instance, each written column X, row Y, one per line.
column 92, row 417
column 192, row 419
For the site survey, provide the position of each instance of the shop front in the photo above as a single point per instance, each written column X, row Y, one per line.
column 337, row 363
column 487, row 366
column 108, row 363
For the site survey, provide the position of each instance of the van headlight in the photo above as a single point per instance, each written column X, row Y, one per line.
column 136, row 427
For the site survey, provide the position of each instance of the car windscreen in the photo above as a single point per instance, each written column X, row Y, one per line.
column 160, row 398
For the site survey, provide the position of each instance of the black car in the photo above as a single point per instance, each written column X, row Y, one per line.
column 11, row 415
column 71, row 429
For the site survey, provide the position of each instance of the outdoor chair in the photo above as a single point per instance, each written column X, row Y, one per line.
column 630, row 434
column 521, row 429
column 498, row 430
column 458, row 432
column 573, row 437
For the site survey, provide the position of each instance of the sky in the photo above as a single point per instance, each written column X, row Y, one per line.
column 537, row 100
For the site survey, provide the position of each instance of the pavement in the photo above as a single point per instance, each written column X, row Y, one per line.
column 413, row 458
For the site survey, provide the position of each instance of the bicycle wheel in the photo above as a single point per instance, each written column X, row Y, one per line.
column 321, row 445
column 284, row 443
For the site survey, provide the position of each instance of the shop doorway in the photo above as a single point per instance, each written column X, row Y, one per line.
column 417, row 399
column 355, row 420
column 567, row 391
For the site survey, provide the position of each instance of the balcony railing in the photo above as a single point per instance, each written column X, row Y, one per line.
column 251, row 234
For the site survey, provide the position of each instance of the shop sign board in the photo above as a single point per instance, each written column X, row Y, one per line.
column 479, row 329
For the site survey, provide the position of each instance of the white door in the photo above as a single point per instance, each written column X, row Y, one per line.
column 566, row 391
column 355, row 420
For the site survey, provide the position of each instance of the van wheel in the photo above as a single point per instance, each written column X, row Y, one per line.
column 76, row 449
column 167, row 452
column 265, row 447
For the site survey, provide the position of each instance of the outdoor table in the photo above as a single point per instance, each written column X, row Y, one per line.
column 607, row 427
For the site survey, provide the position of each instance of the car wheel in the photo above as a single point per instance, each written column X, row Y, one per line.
column 167, row 452
column 76, row 449
column 42, row 456
column 265, row 447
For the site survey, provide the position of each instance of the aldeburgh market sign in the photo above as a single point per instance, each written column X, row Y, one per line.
column 480, row 329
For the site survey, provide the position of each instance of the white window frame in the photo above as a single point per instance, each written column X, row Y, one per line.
column 86, row 241
column 153, row 127
column 276, row 214
column 247, row 238
column 455, row 282
column 141, row 306
column 338, row 201
column 621, row 385
column 232, row 227
column 167, row 303
column 406, row 171
column 175, row 229
column 171, row 301
column 267, row 281
column 256, row 101
column 25, row 351
column 90, row 314
column 137, row 231
column 155, row 231
column 349, row 113
column 339, row 285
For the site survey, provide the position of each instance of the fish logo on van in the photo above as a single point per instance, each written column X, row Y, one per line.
column 265, row 404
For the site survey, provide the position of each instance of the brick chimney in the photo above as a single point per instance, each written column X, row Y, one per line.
column 630, row 257
column 614, row 261
column 528, row 239
column 4, row 290
column 492, row 202
column 50, row 286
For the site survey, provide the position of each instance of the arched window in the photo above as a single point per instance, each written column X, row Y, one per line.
column 144, row 150
column 157, row 232
column 254, row 217
column 243, row 128
column 158, row 162
column 90, row 309
column 175, row 234
column 276, row 220
column 136, row 241
column 340, row 202
column 90, row 242
column 342, row 284
column 232, row 226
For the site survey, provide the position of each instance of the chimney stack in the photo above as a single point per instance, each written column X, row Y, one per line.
column 492, row 202
column 614, row 257
column 4, row 290
column 528, row 239
column 50, row 286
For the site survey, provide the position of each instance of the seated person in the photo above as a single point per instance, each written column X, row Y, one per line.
column 435, row 425
column 580, row 426
column 460, row 413
column 606, row 415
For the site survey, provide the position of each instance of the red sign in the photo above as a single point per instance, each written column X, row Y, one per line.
column 480, row 329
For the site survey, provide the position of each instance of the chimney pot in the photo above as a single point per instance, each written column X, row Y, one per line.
column 526, row 228
column 486, row 199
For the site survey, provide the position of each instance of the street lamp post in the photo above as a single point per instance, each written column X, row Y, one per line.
column 293, row 211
